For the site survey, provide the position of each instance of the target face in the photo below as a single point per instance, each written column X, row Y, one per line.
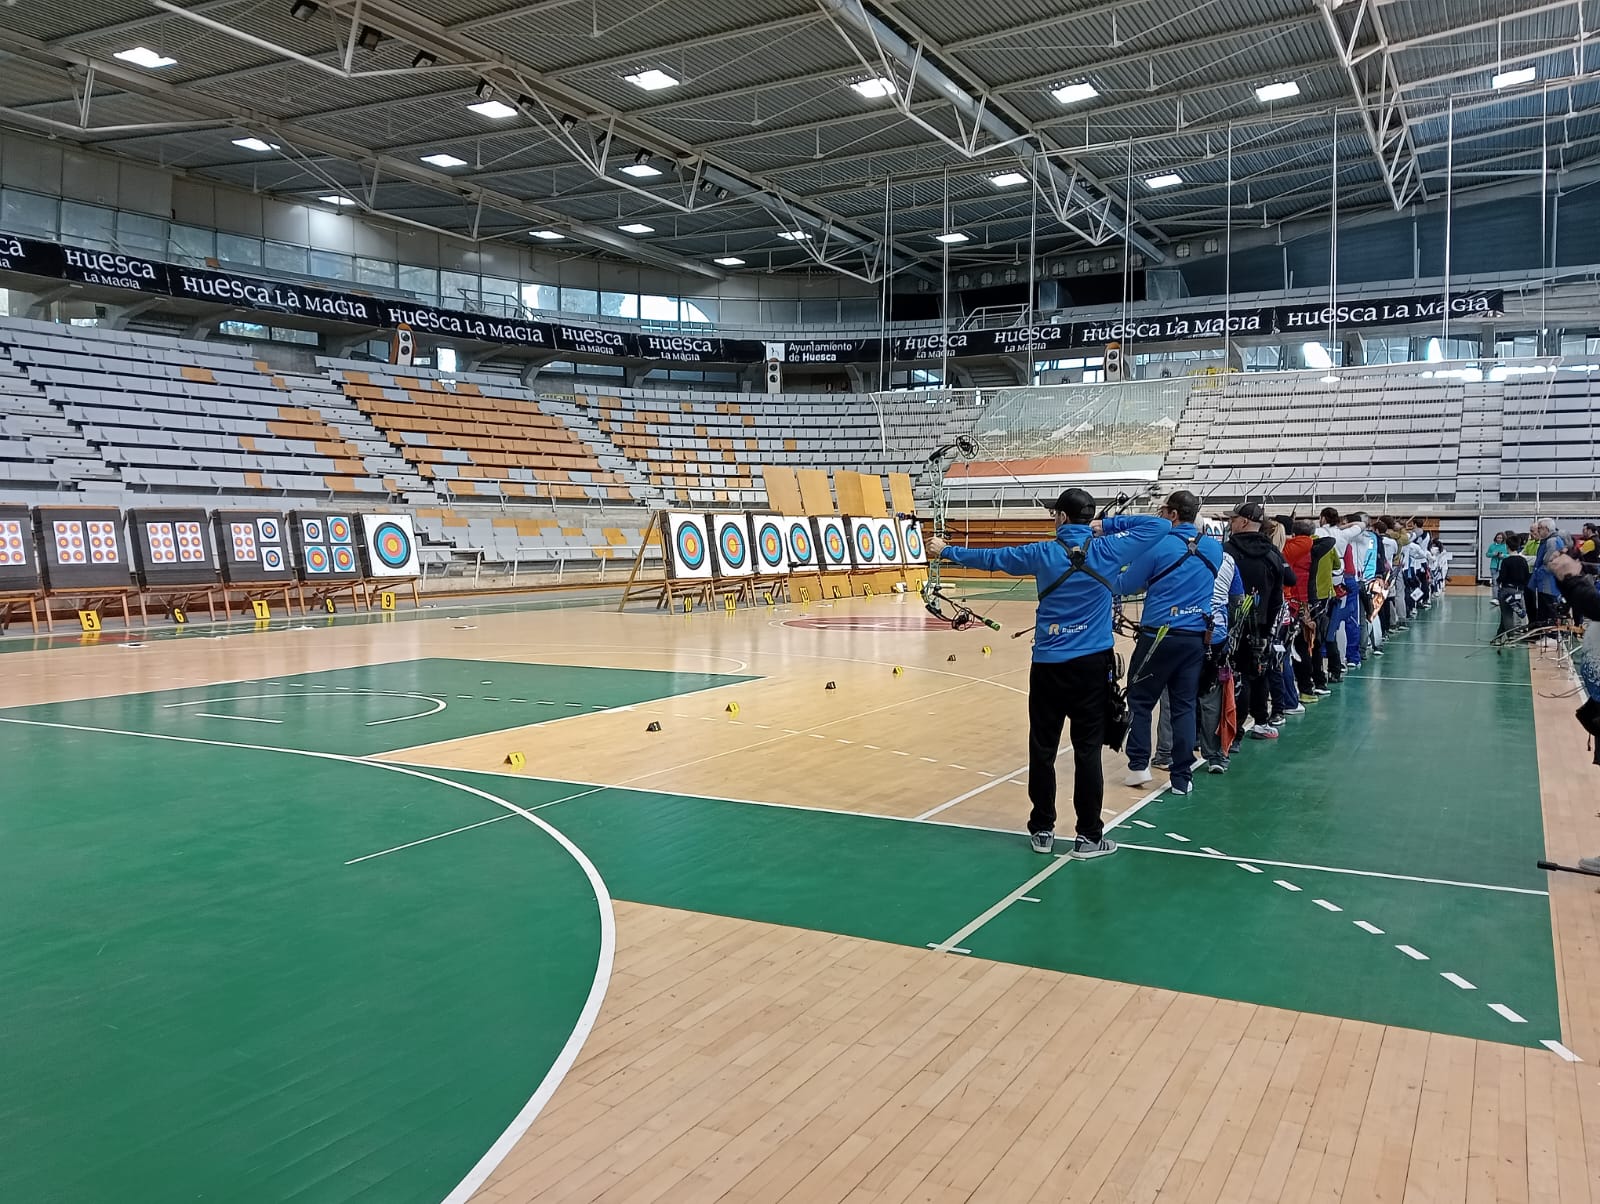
column 12, row 549
column 911, row 541
column 163, row 548
column 70, row 546
column 103, row 543
column 311, row 530
column 316, row 558
column 691, row 548
column 833, row 544
column 801, row 550
column 271, row 559
column 730, row 544
column 887, row 543
column 392, row 545
column 242, row 536
column 191, row 542
column 339, row 530
column 344, row 560
column 268, row 528
column 865, row 552
column 769, row 546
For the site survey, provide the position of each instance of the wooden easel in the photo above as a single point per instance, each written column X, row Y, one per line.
column 665, row 590
column 31, row 599
column 180, row 597
column 741, row 589
column 100, row 598
column 374, row 586
column 333, row 590
column 260, row 591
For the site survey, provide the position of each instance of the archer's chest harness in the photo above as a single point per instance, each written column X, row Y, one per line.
column 1077, row 562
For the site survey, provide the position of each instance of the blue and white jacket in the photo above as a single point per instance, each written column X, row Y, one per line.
column 1177, row 585
column 1075, row 618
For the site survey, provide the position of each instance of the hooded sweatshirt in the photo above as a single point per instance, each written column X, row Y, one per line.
column 1260, row 567
column 1312, row 559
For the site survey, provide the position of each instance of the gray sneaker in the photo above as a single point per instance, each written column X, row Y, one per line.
column 1043, row 842
column 1217, row 767
column 1083, row 848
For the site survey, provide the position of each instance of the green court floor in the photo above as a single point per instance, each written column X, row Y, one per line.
column 239, row 961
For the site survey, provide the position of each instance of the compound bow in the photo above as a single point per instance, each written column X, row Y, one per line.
column 940, row 605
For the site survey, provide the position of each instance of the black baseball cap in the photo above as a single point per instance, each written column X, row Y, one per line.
column 1253, row 512
column 1077, row 504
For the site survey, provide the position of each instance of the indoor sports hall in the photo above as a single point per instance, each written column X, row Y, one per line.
column 536, row 579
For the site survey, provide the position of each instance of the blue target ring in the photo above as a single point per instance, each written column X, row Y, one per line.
column 833, row 544
column 691, row 547
column 800, row 543
column 391, row 545
column 864, row 548
column 769, row 542
column 886, row 542
column 914, row 541
column 730, row 544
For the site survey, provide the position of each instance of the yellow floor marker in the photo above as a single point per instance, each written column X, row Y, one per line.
column 730, row 603
column 733, row 709
column 89, row 620
column 898, row 671
column 179, row 615
column 987, row 650
column 261, row 609
column 386, row 600
column 516, row 760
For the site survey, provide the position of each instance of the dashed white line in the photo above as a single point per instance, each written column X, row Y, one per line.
column 1326, row 906
column 1414, row 954
column 1175, row 836
column 873, row 747
column 429, row 839
column 1507, row 1013
column 1245, row 865
column 1372, row 928
column 239, row 718
column 953, row 765
column 816, row 735
column 1026, row 899
column 1139, row 823
column 1205, row 848
column 1457, row 980
column 1556, row 1047
column 1285, row 884
column 930, row 760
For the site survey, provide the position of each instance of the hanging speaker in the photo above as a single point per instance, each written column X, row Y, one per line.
column 1116, row 367
column 775, row 357
column 403, row 347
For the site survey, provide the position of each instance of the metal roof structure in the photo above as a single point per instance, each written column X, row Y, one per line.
column 863, row 129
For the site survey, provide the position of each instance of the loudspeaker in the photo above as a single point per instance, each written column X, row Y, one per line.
column 403, row 347
column 1116, row 367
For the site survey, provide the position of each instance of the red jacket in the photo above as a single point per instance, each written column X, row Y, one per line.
column 1297, row 552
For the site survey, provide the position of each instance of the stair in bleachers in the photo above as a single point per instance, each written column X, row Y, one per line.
column 1549, row 444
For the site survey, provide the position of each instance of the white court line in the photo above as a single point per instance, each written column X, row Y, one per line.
column 1447, row 681
column 428, row 839
column 1244, row 865
column 1179, row 839
column 1556, row 1047
column 1335, row 869
column 1326, row 906
column 1060, row 859
column 1289, row 886
column 973, row 793
column 438, row 703
column 529, row 1111
column 236, row 718
column 1457, row 980
column 1414, row 954
column 1507, row 1013
column 1367, row 927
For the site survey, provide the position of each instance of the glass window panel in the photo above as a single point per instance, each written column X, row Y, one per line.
column 91, row 225
column 375, row 273
column 619, row 305
column 28, row 213
column 189, row 244
column 423, row 282
column 700, row 311
column 460, row 290
column 541, row 296
column 654, row 308
column 281, row 257
column 140, row 235
column 330, row 265
column 580, row 301
column 238, row 250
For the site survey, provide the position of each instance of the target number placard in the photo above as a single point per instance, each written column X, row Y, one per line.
column 386, row 600
column 389, row 540
column 261, row 609
column 89, row 620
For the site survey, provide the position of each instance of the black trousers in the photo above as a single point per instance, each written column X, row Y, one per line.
column 1075, row 692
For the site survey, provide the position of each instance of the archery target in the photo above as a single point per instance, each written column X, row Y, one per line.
column 911, row 541
column 862, row 535
column 83, row 547
column 801, row 544
column 314, row 549
column 19, row 566
column 688, row 551
column 833, row 546
column 169, row 548
column 251, row 546
column 390, row 544
column 770, row 556
column 888, row 535
column 344, row 559
column 730, row 545
column 338, row 530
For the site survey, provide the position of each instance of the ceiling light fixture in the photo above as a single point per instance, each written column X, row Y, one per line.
column 1008, row 179
column 729, row 261
column 637, row 228
column 334, row 199
column 640, row 168
column 651, row 80
column 1279, row 91
column 951, row 236
column 1505, row 79
column 1071, row 94
column 793, row 235
column 568, row 123
column 441, row 159
column 143, row 56
column 496, row 110
column 303, row 10
column 423, row 59
column 875, row 88
column 547, row 235
column 369, row 38
column 1170, row 180
column 255, row 144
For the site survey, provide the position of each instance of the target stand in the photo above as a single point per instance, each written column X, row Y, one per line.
column 249, row 593
column 375, row 586
column 665, row 590
column 31, row 598
column 170, row 598
column 740, row 589
column 316, row 595
column 101, row 598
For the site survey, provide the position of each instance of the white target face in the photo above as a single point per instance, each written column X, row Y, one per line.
column 70, row 544
column 243, row 538
column 911, row 544
column 103, row 542
column 163, row 547
column 191, row 542
column 688, row 550
column 730, row 541
column 13, row 550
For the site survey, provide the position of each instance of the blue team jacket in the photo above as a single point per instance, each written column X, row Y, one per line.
column 1181, row 599
column 1075, row 620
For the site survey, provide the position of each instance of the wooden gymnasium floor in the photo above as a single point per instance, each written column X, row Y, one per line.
column 277, row 922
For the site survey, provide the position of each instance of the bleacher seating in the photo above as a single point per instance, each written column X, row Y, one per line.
column 1549, row 445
